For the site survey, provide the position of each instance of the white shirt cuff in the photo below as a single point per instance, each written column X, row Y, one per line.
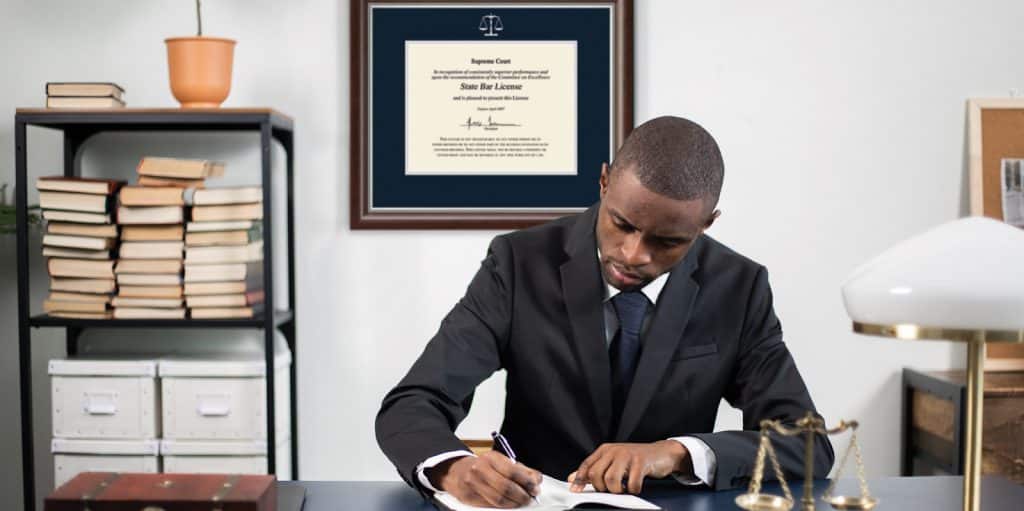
column 434, row 461
column 703, row 459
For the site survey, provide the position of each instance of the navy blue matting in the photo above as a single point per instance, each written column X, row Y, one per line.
column 393, row 26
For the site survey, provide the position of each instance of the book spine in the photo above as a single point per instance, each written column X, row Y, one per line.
column 56, row 184
column 255, row 233
column 254, row 297
column 254, row 275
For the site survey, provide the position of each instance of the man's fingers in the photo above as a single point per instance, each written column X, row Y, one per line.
column 472, row 498
column 507, row 489
column 618, row 471
column 490, row 496
column 522, row 475
column 581, row 476
column 637, row 472
column 506, row 493
column 597, row 471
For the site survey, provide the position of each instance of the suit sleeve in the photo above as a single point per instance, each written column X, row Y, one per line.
column 766, row 385
column 417, row 419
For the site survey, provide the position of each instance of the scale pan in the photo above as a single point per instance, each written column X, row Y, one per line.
column 763, row 502
column 841, row 502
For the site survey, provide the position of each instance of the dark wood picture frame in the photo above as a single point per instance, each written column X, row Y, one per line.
column 363, row 216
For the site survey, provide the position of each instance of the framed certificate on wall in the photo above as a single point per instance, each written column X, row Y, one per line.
column 484, row 115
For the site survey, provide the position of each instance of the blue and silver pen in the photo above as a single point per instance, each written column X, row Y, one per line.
column 502, row 445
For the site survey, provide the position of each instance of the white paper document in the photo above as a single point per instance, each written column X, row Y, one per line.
column 555, row 494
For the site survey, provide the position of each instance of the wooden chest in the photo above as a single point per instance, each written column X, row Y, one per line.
column 111, row 491
column 934, row 407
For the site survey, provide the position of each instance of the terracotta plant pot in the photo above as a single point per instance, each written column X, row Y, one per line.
column 200, row 70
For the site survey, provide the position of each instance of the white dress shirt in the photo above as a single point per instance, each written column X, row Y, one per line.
column 702, row 457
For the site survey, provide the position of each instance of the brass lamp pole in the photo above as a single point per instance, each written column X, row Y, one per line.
column 975, row 340
column 958, row 282
column 961, row 281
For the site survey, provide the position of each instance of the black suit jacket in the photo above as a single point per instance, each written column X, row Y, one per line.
column 535, row 309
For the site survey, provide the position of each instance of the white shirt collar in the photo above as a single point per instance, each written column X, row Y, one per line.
column 652, row 290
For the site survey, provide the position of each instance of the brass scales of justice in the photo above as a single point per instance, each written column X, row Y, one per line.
column 754, row 500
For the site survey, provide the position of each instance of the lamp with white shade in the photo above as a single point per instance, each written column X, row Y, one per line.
column 961, row 281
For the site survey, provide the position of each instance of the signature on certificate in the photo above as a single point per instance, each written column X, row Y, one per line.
column 487, row 125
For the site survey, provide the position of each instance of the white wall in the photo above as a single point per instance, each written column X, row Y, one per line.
column 842, row 126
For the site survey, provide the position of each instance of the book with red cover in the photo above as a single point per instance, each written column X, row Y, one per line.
column 110, row 491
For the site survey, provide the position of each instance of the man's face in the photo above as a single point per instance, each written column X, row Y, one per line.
column 642, row 234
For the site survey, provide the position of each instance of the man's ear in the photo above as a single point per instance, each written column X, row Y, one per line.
column 603, row 181
column 711, row 219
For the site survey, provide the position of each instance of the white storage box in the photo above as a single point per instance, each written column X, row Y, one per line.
column 223, row 397
column 70, row 457
column 224, row 457
column 105, row 399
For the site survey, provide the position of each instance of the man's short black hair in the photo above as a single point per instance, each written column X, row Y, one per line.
column 674, row 157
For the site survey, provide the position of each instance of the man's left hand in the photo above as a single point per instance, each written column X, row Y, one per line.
column 621, row 468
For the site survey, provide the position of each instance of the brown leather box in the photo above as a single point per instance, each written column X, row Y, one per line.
column 109, row 491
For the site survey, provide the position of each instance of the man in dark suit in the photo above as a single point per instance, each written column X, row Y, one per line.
column 621, row 329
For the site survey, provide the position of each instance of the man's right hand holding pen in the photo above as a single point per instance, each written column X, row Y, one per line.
column 488, row 480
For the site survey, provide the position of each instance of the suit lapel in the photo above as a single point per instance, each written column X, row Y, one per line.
column 581, row 288
column 672, row 313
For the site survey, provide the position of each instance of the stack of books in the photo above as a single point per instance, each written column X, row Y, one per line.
column 84, row 95
column 79, row 245
column 152, row 217
column 224, row 253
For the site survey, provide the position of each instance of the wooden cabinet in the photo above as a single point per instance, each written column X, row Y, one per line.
column 934, row 404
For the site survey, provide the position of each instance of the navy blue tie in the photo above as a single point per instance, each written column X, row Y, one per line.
column 625, row 349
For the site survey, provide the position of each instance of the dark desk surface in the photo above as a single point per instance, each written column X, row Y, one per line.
column 895, row 493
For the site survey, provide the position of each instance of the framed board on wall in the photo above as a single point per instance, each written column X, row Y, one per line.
column 996, row 167
column 484, row 114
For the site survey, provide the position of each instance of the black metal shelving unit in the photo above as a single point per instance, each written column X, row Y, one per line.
column 918, row 448
column 77, row 127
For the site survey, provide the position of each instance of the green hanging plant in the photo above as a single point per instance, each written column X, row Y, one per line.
column 9, row 216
